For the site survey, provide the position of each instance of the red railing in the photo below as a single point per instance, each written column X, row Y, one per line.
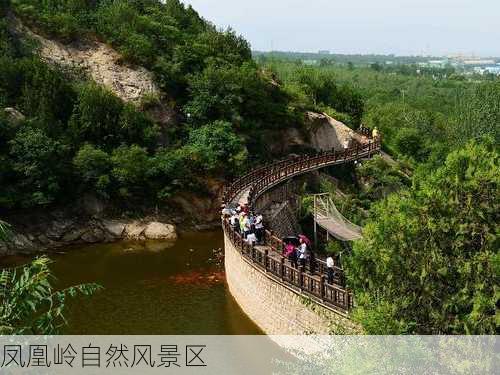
column 269, row 258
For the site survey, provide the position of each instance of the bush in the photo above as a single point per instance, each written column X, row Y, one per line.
column 130, row 165
column 94, row 167
column 428, row 259
column 36, row 159
column 215, row 147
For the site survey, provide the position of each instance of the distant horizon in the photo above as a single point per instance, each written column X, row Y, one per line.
column 398, row 27
column 375, row 54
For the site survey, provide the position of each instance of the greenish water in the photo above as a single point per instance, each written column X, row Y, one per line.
column 152, row 288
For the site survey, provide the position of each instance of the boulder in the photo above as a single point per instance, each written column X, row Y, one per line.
column 327, row 133
column 58, row 229
column 13, row 115
column 21, row 242
column 74, row 235
column 160, row 231
column 93, row 236
column 135, row 230
column 115, row 228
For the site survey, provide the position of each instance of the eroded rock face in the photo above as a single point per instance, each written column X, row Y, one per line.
column 99, row 60
column 327, row 133
column 160, row 231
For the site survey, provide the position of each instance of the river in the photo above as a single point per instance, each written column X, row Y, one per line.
column 151, row 288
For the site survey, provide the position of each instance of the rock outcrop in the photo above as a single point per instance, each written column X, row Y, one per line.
column 13, row 115
column 327, row 133
column 64, row 232
column 160, row 231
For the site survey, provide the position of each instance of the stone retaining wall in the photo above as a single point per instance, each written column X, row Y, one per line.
column 276, row 308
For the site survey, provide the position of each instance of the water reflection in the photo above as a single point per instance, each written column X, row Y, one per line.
column 153, row 287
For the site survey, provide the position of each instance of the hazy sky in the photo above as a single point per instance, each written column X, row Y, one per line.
column 362, row 26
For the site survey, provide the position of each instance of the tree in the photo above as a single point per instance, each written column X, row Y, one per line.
column 130, row 165
column 428, row 262
column 29, row 304
column 94, row 167
column 37, row 160
column 216, row 147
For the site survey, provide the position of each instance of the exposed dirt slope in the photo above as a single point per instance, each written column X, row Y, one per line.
column 99, row 60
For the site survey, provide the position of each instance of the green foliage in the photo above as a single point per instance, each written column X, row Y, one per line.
column 29, row 304
column 237, row 94
column 318, row 89
column 215, row 147
column 94, row 168
column 130, row 166
column 334, row 248
column 378, row 179
column 428, row 262
column 36, row 161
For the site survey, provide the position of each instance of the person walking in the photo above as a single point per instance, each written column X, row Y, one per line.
column 242, row 223
column 302, row 252
column 251, row 239
column 329, row 269
column 235, row 222
column 247, row 227
column 259, row 228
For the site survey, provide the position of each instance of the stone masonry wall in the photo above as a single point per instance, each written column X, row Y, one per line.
column 276, row 308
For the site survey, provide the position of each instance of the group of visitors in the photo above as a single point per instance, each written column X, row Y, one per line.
column 299, row 253
column 249, row 225
column 296, row 249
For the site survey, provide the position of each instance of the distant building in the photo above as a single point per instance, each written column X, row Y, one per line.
column 310, row 62
column 478, row 62
column 493, row 69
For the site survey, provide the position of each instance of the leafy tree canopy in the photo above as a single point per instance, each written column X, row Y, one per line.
column 429, row 262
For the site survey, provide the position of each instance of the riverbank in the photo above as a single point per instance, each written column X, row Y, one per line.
column 50, row 231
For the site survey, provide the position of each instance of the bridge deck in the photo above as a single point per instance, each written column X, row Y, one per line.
column 248, row 188
column 337, row 229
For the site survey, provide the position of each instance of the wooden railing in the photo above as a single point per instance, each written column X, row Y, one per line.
column 269, row 258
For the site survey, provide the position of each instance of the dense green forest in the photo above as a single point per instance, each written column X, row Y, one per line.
column 429, row 260
column 77, row 136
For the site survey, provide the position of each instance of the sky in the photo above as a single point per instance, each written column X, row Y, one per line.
column 401, row 27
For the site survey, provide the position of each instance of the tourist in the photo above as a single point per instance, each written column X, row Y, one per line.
column 375, row 133
column 251, row 221
column 242, row 223
column 234, row 221
column 329, row 269
column 302, row 253
column 251, row 239
column 247, row 228
column 259, row 228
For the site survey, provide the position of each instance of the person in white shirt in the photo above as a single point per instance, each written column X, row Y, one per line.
column 251, row 239
column 234, row 220
column 302, row 250
column 259, row 228
column 329, row 269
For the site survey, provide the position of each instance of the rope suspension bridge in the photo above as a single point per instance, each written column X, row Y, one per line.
column 327, row 216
